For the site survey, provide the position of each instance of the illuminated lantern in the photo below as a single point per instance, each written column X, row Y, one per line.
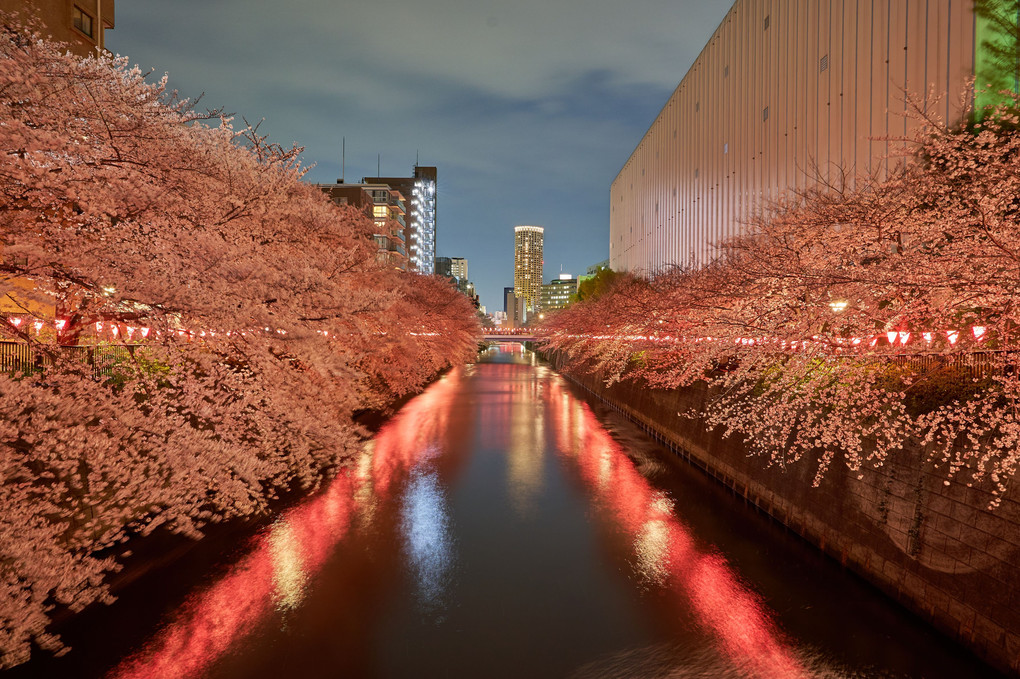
column 979, row 332
column 38, row 326
column 874, row 341
column 892, row 336
column 926, row 336
column 115, row 330
column 130, row 331
column 952, row 336
column 904, row 336
column 60, row 324
column 856, row 341
column 145, row 332
column 99, row 326
column 16, row 322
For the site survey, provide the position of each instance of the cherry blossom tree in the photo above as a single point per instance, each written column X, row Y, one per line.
column 853, row 319
column 267, row 324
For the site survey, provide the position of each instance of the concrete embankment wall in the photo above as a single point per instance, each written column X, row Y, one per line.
column 937, row 549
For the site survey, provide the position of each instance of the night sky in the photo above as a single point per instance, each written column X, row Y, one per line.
column 528, row 108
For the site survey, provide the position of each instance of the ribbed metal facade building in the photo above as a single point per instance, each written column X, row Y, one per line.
column 784, row 87
column 528, row 262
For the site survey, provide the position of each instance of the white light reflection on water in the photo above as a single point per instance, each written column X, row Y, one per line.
column 426, row 530
column 289, row 576
column 651, row 546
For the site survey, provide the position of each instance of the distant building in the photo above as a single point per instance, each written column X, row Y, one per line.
column 79, row 23
column 528, row 262
column 444, row 267
column 468, row 288
column 517, row 311
column 556, row 293
column 420, row 229
column 592, row 271
column 385, row 207
column 459, row 268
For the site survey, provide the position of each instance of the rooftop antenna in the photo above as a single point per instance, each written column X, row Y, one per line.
column 343, row 159
column 416, row 157
column 378, row 164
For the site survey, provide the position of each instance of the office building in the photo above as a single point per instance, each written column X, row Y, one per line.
column 556, row 293
column 784, row 91
column 420, row 229
column 81, row 24
column 528, row 263
column 516, row 310
column 459, row 268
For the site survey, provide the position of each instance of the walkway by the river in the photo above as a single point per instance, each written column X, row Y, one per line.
column 500, row 526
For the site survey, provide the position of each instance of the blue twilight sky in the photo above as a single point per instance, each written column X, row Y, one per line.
column 528, row 108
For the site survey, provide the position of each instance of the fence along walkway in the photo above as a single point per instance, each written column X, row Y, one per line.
column 19, row 357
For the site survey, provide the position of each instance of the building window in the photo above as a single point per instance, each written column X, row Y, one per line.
column 765, row 113
column 823, row 64
column 83, row 22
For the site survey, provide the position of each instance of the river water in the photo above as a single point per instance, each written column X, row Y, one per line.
column 502, row 526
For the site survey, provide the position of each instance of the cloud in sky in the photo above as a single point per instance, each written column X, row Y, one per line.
column 528, row 108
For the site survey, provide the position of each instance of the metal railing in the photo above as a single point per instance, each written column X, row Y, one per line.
column 19, row 357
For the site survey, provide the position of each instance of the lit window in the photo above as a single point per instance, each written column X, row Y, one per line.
column 83, row 22
column 380, row 211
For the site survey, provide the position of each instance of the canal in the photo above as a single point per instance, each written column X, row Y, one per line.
column 502, row 526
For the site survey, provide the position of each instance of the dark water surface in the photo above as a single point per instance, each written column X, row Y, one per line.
column 500, row 526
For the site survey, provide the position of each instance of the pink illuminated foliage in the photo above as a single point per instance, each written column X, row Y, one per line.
column 862, row 318
column 269, row 324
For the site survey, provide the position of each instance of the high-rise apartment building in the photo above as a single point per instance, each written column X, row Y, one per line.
column 528, row 263
column 79, row 23
column 385, row 207
column 420, row 231
column 783, row 92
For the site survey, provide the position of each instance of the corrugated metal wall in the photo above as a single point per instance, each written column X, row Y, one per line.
column 782, row 88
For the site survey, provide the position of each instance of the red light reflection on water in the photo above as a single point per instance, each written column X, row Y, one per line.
column 273, row 574
column 664, row 550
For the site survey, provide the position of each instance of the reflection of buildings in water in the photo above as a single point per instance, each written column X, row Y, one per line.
column 426, row 532
column 526, row 449
column 664, row 551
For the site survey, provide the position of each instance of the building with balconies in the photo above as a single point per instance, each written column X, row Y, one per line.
column 81, row 24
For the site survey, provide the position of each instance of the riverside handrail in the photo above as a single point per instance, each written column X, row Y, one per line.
column 21, row 357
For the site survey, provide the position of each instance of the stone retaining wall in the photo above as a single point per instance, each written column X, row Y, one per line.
column 937, row 549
